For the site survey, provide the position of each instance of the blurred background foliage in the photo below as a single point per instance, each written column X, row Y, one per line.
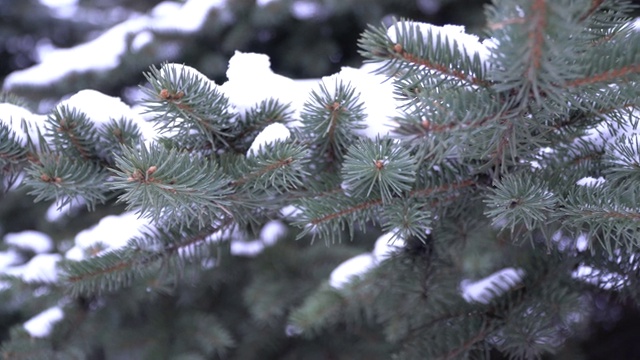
column 304, row 39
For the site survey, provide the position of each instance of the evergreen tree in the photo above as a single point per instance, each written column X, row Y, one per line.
column 503, row 202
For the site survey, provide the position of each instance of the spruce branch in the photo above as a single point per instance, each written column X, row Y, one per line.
column 623, row 158
column 408, row 218
column 362, row 300
column 24, row 346
column 179, row 187
column 413, row 52
column 328, row 218
column 278, row 168
column 380, row 168
column 604, row 17
column 256, row 119
column 72, row 133
column 211, row 335
column 11, row 150
column 11, row 98
column 13, row 157
column 608, row 214
column 105, row 273
column 531, row 55
column 187, row 105
column 118, row 134
column 580, row 159
column 143, row 256
column 64, row 179
column 319, row 312
column 273, row 292
column 520, row 200
column 617, row 64
column 330, row 119
column 431, row 191
column 547, row 69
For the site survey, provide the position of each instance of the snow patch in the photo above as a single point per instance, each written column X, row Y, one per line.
column 271, row 134
column 454, row 34
column 305, row 10
column 270, row 233
column 191, row 16
column 58, row 3
column 55, row 212
column 141, row 40
column 374, row 92
column 603, row 279
column 246, row 248
column 112, row 232
column 387, row 245
column 357, row 266
column 32, row 240
column 12, row 116
column 101, row 109
column 8, row 258
column 251, row 81
column 496, row 284
column 41, row 268
column 263, row 3
column 105, row 52
column 41, row 324
column 187, row 71
column 290, row 212
column 76, row 253
column 100, row 54
column 590, row 181
column 582, row 242
column 292, row 330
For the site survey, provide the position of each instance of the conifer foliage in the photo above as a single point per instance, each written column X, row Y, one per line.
column 506, row 194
